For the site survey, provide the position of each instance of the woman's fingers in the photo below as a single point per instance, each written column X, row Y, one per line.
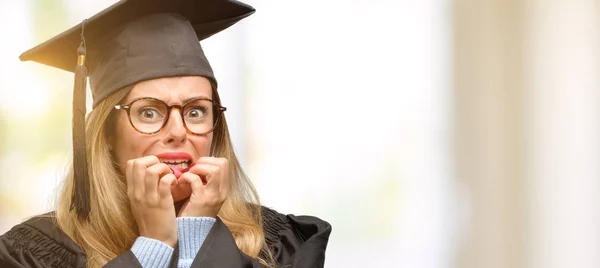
column 214, row 161
column 207, row 171
column 213, row 167
column 213, row 176
column 194, row 206
column 194, row 181
column 164, row 186
column 208, row 195
column 153, row 174
column 149, row 189
column 138, row 175
column 145, row 175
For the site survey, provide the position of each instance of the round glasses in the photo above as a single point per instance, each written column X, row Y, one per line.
column 150, row 115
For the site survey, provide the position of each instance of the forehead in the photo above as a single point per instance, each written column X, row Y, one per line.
column 172, row 89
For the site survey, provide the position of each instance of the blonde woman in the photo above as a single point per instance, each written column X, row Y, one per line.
column 155, row 181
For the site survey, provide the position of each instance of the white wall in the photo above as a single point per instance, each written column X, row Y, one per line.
column 562, row 55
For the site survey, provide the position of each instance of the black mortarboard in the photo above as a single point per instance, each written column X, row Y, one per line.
column 129, row 42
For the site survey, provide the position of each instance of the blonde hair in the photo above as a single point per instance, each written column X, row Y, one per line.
column 111, row 228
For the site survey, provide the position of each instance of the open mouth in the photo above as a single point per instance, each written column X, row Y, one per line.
column 179, row 164
column 178, row 167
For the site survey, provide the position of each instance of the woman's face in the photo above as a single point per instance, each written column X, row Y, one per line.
column 173, row 139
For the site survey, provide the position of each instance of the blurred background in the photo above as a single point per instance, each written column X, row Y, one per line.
column 431, row 133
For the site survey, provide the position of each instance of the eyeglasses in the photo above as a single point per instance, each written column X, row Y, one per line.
column 150, row 115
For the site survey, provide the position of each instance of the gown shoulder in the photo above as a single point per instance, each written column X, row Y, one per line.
column 38, row 242
column 296, row 241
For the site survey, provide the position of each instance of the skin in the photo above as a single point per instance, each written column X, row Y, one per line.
column 151, row 186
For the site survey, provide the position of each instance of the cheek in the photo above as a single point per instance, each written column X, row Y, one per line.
column 202, row 145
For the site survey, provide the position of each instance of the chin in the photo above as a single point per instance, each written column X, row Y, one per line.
column 181, row 192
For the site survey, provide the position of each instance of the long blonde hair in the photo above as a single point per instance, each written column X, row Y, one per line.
column 111, row 228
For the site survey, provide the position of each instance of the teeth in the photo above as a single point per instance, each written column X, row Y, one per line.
column 177, row 163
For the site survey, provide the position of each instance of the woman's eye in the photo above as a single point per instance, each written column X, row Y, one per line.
column 195, row 113
column 148, row 113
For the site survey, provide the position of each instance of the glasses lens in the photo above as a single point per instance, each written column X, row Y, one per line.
column 148, row 115
column 199, row 116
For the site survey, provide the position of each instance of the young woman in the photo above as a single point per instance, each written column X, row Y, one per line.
column 155, row 181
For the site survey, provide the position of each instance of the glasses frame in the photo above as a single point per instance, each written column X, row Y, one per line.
column 217, row 110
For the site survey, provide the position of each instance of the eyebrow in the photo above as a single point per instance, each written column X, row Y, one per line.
column 201, row 97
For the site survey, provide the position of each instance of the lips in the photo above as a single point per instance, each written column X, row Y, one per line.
column 178, row 162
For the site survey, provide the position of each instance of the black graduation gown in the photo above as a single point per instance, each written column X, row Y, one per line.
column 295, row 242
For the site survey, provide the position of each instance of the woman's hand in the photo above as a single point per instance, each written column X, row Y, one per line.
column 209, row 180
column 149, row 190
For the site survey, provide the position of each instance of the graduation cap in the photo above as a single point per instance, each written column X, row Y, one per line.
column 129, row 42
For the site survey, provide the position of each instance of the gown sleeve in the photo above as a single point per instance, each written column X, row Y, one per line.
column 296, row 241
column 36, row 243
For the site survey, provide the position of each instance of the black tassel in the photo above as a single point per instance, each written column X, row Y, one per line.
column 80, row 200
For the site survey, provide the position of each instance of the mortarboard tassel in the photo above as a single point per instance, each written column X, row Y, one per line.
column 81, row 190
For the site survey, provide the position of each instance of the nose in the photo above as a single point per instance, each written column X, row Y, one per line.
column 175, row 132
